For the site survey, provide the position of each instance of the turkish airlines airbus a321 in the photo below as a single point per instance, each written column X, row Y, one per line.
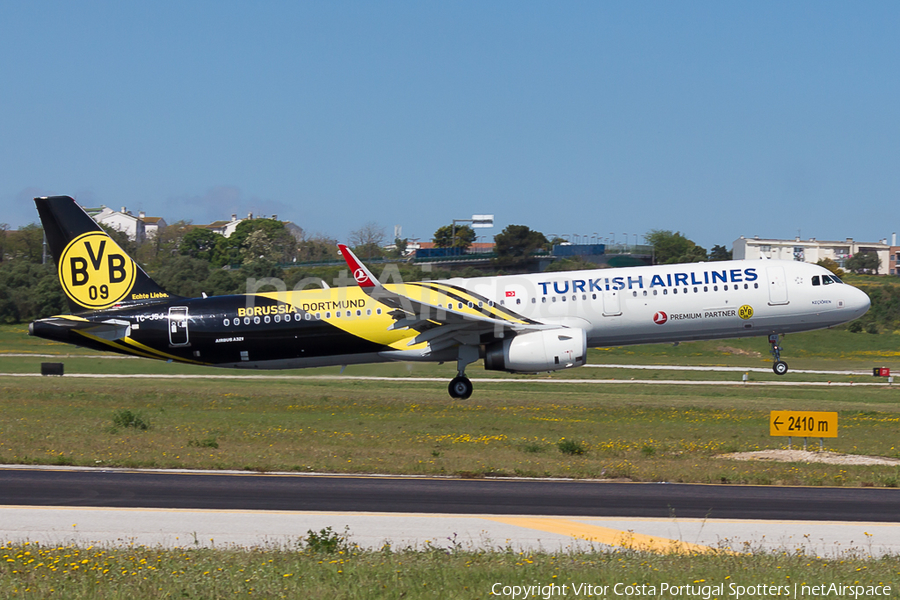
column 519, row 323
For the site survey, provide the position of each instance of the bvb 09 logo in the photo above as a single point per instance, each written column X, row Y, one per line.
column 745, row 312
column 94, row 271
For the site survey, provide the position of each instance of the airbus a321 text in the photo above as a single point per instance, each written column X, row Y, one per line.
column 520, row 324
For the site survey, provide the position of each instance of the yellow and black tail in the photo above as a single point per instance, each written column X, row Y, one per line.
column 95, row 273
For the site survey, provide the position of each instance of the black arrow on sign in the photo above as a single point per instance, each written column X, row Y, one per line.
column 776, row 423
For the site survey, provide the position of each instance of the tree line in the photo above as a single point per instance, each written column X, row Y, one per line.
column 189, row 260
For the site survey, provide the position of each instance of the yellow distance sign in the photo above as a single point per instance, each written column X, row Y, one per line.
column 803, row 423
column 95, row 272
column 745, row 312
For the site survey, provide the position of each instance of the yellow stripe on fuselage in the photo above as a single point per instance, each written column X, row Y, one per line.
column 363, row 319
column 347, row 301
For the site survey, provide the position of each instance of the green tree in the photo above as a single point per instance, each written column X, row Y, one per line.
column 183, row 275
column 444, row 237
column 223, row 282
column 518, row 241
column 831, row 266
column 27, row 243
column 200, row 243
column 864, row 262
column 719, row 253
column 671, row 248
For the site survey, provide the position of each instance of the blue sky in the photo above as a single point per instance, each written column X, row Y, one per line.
column 716, row 119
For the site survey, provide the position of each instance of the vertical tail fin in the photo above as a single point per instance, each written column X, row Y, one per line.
column 95, row 273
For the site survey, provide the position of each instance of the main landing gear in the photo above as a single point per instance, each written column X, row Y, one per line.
column 779, row 366
column 460, row 387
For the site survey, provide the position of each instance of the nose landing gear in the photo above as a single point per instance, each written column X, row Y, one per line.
column 779, row 366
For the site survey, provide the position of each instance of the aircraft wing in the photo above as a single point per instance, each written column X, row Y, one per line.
column 438, row 325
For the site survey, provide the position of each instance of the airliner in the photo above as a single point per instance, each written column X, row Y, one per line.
column 519, row 323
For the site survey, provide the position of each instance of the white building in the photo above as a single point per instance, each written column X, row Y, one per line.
column 226, row 228
column 137, row 228
column 811, row 250
column 152, row 225
column 121, row 220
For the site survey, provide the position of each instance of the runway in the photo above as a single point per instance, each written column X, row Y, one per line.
column 188, row 509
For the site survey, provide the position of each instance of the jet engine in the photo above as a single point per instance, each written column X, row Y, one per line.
column 548, row 350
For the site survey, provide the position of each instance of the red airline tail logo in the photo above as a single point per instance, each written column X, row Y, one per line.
column 660, row 318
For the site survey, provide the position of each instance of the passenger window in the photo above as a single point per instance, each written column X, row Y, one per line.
column 519, row 300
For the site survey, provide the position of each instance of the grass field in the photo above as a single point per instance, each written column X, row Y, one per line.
column 443, row 571
column 515, row 427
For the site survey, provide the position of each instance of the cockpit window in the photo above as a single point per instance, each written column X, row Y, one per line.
column 836, row 279
column 826, row 280
column 815, row 280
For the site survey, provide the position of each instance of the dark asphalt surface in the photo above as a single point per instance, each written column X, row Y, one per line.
column 452, row 496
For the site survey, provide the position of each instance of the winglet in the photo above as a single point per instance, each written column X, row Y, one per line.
column 361, row 274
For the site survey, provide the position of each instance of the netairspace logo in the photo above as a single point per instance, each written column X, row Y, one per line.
column 688, row 591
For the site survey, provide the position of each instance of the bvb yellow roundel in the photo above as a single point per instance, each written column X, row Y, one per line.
column 94, row 271
column 745, row 312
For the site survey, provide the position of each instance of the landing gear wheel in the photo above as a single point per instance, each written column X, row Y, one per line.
column 780, row 367
column 460, row 387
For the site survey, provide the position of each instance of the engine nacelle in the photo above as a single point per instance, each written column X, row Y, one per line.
column 548, row 350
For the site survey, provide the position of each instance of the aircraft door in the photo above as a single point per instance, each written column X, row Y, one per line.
column 178, row 326
column 612, row 304
column 778, row 293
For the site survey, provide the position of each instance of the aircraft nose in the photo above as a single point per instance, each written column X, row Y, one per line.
column 859, row 302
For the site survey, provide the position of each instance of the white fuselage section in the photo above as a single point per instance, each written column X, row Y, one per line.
column 667, row 303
